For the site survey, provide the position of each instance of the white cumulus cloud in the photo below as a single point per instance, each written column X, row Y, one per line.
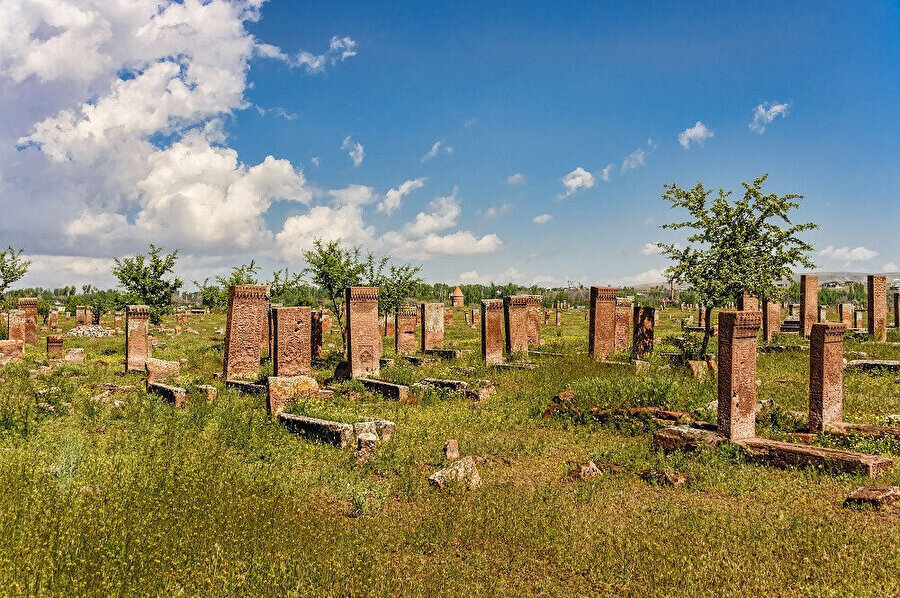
column 356, row 150
column 647, row 277
column 436, row 148
column 699, row 133
column 765, row 113
column 393, row 197
column 516, row 179
column 339, row 50
column 633, row 160
column 577, row 180
column 847, row 254
column 542, row 219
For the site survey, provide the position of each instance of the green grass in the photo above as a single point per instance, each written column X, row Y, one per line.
column 141, row 498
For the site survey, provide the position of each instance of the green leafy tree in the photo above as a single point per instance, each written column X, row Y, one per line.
column 144, row 279
column 397, row 286
column 209, row 295
column 747, row 245
column 12, row 267
column 334, row 268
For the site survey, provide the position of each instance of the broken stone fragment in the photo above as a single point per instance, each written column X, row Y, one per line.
column 451, row 450
column 159, row 370
column 365, row 447
column 583, row 471
column 462, row 471
column 75, row 356
column 283, row 390
column 672, row 480
column 873, row 496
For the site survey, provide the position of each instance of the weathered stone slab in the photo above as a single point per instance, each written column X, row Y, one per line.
column 405, row 329
column 533, row 319
column 492, row 331
column 737, row 373
column 448, row 384
column 515, row 320
column 28, row 305
column 771, row 319
column 876, row 286
column 840, row 428
column 644, row 319
column 685, row 438
column 55, row 346
column 137, row 341
column 11, row 350
column 284, row 390
column 291, row 341
column 445, row 353
column 809, row 302
column 874, row 365
column 363, row 335
column 246, row 387
column 389, row 390
column 462, row 471
column 786, row 454
column 316, row 335
column 319, row 430
column 602, row 322
column 173, row 394
column 826, row 375
column 873, row 496
column 159, row 370
column 432, row 316
column 247, row 311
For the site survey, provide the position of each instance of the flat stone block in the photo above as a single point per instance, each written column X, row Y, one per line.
column 451, row 384
column 319, row 430
column 444, row 353
column 243, row 386
column 283, row 390
column 866, row 430
column 786, row 454
column 873, row 496
column 173, row 394
column 159, row 370
column 394, row 392
column 868, row 365
column 685, row 438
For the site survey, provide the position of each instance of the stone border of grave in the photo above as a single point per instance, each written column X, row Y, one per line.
column 338, row 434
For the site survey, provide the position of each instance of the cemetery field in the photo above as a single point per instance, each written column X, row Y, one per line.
column 123, row 494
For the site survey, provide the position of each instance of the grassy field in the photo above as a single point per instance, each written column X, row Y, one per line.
column 129, row 496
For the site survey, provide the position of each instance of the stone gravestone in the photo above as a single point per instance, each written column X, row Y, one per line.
column 432, row 317
column 15, row 329
column 877, row 291
column 247, row 307
column 557, row 314
column 533, row 315
column 80, row 315
column 29, row 306
column 809, row 303
column 448, row 317
column 291, row 341
column 826, row 375
column 363, row 336
column 53, row 318
column 405, row 329
column 492, row 331
column 515, row 321
column 602, row 322
column 642, row 339
column 137, row 342
column 771, row 323
column 896, row 310
column 737, row 373
column 845, row 314
column 823, row 313
column 747, row 302
column 117, row 322
column 55, row 346
column 316, row 334
column 701, row 316
column 623, row 326
column 858, row 318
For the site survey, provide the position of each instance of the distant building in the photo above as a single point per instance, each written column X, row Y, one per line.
column 456, row 298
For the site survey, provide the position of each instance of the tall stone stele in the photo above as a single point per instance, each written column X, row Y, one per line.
column 809, row 303
column 316, row 334
column 405, row 329
column 877, row 312
column 492, row 331
column 644, row 319
column 432, row 316
column 247, row 310
column 55, row 346
column 137, row 341
column 363, row 333
column 515, row 320
column 602, row 322
column 737, row 373
column 826, row 375
column 29, row 306
column 534, row 316
column 291, row 341
column 771, row 319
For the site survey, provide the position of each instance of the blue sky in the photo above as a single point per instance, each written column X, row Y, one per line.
column 531, row 89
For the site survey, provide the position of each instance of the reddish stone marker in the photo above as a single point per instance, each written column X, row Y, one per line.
column 432, row 316
column 623, row 331
column 845, row 314
column 602, row 322
column 363, row 335
column 809, row 303
column 29, row 306
column 515, row 320
column 747, row 302
column 737, row 373
column 405, row 329
column 80, row 315
column 492, row 331
column 55, row 346
column 247, row 310
column 117, row 322
column 642, row 338
column 701, row 316
column 15, row 329
column 291, row 341
column 533, row 316
column 557, row 314
column 53, row 318
column 316, row 334
column 265, row 333
column 896, row 310
column 771, row 323
column 826, row 375
column 858, row 318
column 137, row 342
column 877, row 287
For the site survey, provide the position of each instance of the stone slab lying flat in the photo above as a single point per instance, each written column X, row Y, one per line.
column 786, row 454
column 866, row 430
column 783, row 349
column 251, row 388
column 873, row 496
column 336, row 433
column 685, row 438
column 418, row 360
column 389, row 390
column 868, row 365
column 451, row 384
column 173, row 394
column 444, row 353
column 515, row 366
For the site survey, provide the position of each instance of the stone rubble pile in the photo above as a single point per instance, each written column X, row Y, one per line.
column 89, row 331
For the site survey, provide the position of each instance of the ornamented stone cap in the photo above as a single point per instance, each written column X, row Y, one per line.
column 534, row 300
column 54, row 339
column 362, row 294
column 457, row 292
column 517, row 300
column 603, row 293
column 492, row 304
column 407, row 311
column 828, row 332
column 248, row 291
column 26, row 302
column 138, row 311
column 744, row 323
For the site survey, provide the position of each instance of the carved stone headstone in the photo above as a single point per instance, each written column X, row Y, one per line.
column 737, row 373
column 515, row 321
column 29, row 306
column 642, row 339
column 247, row 310
column 877, row 291
column 137, row 342
column 602, row 322
column 316, row 334
column 809, row 303
column 291, row 341
column 771, row 319
column 492, row 331
column 55, row 346
column 826, row 375
column 432, row 317
column 363, row 335
column 533, row 315
column 405, row 329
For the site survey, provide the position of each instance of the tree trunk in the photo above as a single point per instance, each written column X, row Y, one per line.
column 707, row 332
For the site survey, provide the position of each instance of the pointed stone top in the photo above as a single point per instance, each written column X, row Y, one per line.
column 457, row 292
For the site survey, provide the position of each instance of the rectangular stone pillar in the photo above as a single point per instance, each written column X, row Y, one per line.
column 476, row 317
column 602, row 322
column 405, row 329
column 557, row 314
column 363, row 336
column 81, row 315
column 55, row 346
column 316, row 334
column 644, row 319
column 823, row 313
column 533, row 315
column 826, row 375
column 515, row 321
column 858, row 315
column 896, row 310
column 877, row 287
column 448, row 317
column 247, row 310
column 291, row 341
column 737, row 373
column 432, row 316
column 137, row 341
column 53, row 319
column 15, row 328
column 623, row 326
column 809, row 303
column 771, row 320
column 701, row 316
column 845, row 314
column 29, row 306
column 265, row 333
column 492, row 331
column 747, row 302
